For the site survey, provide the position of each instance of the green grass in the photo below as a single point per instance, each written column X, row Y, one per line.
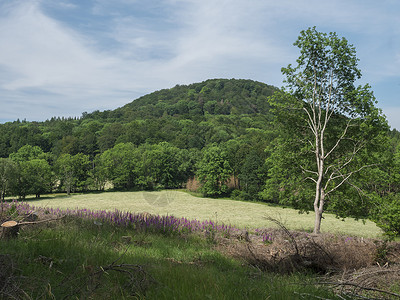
column 180, row 204
column 68, row 259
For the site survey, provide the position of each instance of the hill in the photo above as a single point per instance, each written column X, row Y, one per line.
column 213, row 96
column 188, row 116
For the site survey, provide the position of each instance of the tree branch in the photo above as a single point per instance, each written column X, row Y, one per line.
column 345, row 178
column 339, row 140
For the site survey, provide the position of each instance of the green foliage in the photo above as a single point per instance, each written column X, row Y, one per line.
column 73, row 171
column 35, row 177
column 120, row 165
column 152, row 118
column 329, row 129
column 165, row 165
column 253, row 175
column 165, row 133
column 8, row 176
column 26, row 153
column 213, row 171
column 147, row 166
column 285, row 183
column 387, row 215
column 31, row 172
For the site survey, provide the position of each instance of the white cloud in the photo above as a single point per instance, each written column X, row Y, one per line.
column 56, row 63
column 43, row 53
column 56, row 68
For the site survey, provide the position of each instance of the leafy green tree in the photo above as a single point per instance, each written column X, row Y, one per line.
column 187, row 158
column 157, row 165
column 87, row 133
column 120, row 165
column 35, row 177
column 8, row 176
column 26, row 153
column 213, row 171
column 387, row 214
column 327, row 124
column 97, row 175
column 165, row 165
column 253, row 175
column 109, row 135
column 73, row 171
column 66, row 145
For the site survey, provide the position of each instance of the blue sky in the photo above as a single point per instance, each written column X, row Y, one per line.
column 61, row 58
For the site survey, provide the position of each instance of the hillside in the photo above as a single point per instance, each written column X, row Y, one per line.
column 188, row 116
column 214, row 97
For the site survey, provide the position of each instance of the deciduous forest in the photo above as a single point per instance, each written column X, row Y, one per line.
column 228, row 137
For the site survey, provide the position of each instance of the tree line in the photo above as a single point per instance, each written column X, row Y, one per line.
column 126, row 166
column 320, row 138
column 157, row 141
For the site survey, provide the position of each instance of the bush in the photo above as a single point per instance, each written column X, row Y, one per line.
column 387, row 215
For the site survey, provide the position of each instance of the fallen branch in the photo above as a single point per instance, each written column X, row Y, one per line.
column 41, row 221
column 365, row 288
column 10, row 229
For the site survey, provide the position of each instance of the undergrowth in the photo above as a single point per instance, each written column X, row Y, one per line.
column 77, row 256
column 74, row 258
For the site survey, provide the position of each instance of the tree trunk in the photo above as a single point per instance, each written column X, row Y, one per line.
column 318, row 209
column 318, row 213
column 319, row 197
column 9, row 230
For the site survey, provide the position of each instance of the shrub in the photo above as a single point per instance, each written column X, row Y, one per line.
column 387, row 215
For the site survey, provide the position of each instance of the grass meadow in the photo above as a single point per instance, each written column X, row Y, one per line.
column 76, row 258
column 98, row 252
column 230, row 212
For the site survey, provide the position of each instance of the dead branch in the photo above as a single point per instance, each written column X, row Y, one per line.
column 41, row 221
column 287, row 232
column 360, row 287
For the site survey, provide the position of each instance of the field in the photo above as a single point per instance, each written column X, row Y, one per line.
column 85, row 254
column 238, row 213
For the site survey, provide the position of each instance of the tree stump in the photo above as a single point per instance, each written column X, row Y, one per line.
column 9, row 230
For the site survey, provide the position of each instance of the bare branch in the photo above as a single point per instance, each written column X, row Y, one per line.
column 360, row 287
column 308, row 171
column 345, row 178
column 339, row 140
column 310, row 122
column 311, row 179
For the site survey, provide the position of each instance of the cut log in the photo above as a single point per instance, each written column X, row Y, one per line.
column 31, row 217
column 9, row 230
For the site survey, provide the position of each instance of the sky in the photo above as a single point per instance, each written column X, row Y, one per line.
column 65, row 57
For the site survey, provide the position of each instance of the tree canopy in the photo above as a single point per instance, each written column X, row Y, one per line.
column 330, row 128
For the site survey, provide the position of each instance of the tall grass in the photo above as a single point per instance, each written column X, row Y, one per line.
column 82, row 257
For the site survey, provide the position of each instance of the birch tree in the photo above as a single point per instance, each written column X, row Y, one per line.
column 330, row 126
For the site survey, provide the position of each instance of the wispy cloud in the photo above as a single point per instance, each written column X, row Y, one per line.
column 65, row 57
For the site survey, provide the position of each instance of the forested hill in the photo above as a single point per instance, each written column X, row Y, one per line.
column 187, row 116
column 214, row 96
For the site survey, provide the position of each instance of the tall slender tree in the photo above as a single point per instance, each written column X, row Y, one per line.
column 329, row 125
